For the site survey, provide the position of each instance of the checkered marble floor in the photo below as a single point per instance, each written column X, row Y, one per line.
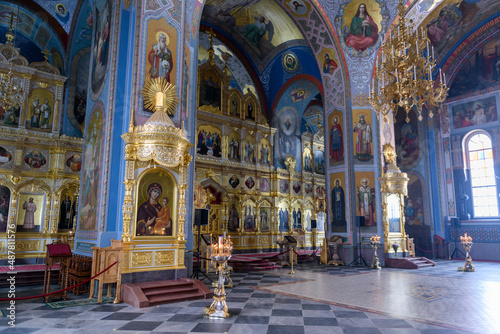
column 313, row 300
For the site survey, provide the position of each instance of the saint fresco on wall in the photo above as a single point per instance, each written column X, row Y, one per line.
column 161, row 49
column 337, row 205
column 156, row 204
column 101, row 46
column 365, row 197
column 480, row 110
column 363, row 145
column 359, row 23
column 407, row 140
column 91, row 171
column 336, row 138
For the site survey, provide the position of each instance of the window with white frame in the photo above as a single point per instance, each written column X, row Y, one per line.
column 482, row 174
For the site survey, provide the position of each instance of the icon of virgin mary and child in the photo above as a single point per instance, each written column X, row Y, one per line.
column 154, row 218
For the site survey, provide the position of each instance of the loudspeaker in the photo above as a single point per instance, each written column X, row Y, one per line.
column 360, row 221
column 455, row 222
column 201, row 217
column 314, row 223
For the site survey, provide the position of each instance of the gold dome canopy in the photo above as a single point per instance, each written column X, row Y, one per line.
column 158, row 139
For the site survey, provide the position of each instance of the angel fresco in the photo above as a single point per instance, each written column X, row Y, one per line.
column 255, row 31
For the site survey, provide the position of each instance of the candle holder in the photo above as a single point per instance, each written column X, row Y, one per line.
column 467, row 243
column 375, row 241
column 220, row 253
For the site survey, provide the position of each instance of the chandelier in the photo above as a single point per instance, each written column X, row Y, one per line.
column 10, row 92
column 404, row 72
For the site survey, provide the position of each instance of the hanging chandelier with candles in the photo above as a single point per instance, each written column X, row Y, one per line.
column 404, row 72
column 10, row 92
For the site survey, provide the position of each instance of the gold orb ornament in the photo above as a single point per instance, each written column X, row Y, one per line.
column 159, row 94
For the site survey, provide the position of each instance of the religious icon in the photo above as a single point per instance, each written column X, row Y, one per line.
column 250, row 183
column 5, row 156
column 74, row 163
column 329, row 65
column 264, row 185
column 160, row 58
column 29, row 212
column 363, row 31
column 338, row 205
column 65, row 214
column 290, row 62
column 154, row 218
column 4, row 207
column 234, row 181
column 363, row 139
column 336, row 141
column 283, row 186
column 264, row 222
column 35, row 159
column 233, row 223
column 209, row 141
column 366, row 202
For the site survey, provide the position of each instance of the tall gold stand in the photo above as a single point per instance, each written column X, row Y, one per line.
column 467, row 243
column 375, row 241
column 220, row 254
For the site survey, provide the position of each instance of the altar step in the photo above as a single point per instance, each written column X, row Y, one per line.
column 162, row 292
column 409, row 262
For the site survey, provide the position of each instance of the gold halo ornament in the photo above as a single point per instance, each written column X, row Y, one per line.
column 154, row 100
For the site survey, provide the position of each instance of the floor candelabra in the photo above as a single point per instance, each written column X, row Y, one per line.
column 220, row 253
column 467, row 243
column 375, row 241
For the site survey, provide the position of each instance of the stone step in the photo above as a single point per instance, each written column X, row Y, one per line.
column 167, row 298
column 146, row 294
column 169, row 290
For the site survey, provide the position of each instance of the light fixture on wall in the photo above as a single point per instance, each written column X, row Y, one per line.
column 405, row 72
column 10, row 91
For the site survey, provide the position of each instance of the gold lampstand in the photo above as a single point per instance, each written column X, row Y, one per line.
column 404, row 72
column 375, row 241
column 467, row 243
column 220, row 253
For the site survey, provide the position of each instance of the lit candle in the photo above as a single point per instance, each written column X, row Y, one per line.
column 433, row 54
column 444, row 76
column 224, row 234
column 397, row 77
column 220, row 242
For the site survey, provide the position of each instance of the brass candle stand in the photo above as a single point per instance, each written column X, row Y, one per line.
column 467, row 243
column 375, row 241
column 220, row 253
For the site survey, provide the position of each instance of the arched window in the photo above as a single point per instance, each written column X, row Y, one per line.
column 484, row 191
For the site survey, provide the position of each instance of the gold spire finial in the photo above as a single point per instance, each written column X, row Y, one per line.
column 210, row 50
column 10, row 35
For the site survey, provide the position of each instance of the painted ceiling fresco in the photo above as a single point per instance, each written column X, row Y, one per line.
column 258, row 26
